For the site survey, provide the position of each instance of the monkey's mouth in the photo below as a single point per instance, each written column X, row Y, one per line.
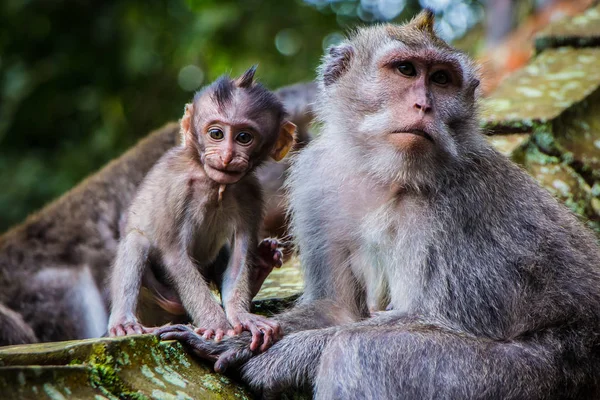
column 223, row 176
column 416, row 132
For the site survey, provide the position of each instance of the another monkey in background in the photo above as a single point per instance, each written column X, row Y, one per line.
column 196, row 216
column 272, row 174
column 495, row 286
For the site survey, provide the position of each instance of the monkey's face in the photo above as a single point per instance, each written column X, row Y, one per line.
column 404, row 95
column 418, row 92
column 232, row 126
column 228, row 149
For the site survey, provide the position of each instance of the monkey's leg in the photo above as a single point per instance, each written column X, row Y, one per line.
column 13, row 329
column 64, row 303
column 428, row 362
column 383, row 360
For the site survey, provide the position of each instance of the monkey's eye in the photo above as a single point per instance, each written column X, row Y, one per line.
column 215, row 133
column 244, row 138
column 407, row 69
column 440, row 77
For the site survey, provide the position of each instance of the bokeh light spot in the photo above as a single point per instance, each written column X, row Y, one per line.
column 288, row 42
column 190, row 77
column 332, row 39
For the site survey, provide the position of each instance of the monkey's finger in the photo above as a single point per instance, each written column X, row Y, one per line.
column 267, row 340
column 149, row 329
column 277, row 332
column 172, row 328
column 270, row 324
column 278, row 259
column 232, row 358
column 131, row 329
column 208, row 334
column 137, row 329
column 192, row 342
column 119, row 331
column 219, row 335
column 256, row 338
column 238, row 328
column 231, row 332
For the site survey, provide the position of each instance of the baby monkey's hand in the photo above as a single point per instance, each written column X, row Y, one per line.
column 264, row 331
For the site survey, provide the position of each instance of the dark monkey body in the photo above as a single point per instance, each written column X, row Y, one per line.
column 54, row 266
column 495, row 286
column 202, row 199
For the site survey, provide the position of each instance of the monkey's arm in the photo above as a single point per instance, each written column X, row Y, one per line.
column 235, row 351
column 126, row 280
column 237, row 295
column 196, row 296
column 408, row 346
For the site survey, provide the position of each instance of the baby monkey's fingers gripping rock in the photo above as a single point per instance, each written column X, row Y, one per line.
column 127, row 326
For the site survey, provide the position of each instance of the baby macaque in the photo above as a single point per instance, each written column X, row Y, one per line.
column 195, row 219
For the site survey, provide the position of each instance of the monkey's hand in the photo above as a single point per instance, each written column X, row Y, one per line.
column 262, row 329
column 268, row 256
column 229, row 353
column 216, row 328
column 126, row 325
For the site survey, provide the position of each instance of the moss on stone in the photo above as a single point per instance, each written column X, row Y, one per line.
column 136, row 367
column 578, row 31
column 555, row 81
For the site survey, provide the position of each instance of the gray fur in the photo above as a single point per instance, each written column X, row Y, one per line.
column 495, row 286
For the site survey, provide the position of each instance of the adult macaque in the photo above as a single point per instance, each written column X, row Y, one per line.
column 196, row 217
column 495, row 286
column 53, row 266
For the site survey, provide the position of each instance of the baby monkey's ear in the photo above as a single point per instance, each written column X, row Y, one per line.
column 285, row 141
column 186, row 123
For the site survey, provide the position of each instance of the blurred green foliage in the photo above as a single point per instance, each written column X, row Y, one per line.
column 82, row 80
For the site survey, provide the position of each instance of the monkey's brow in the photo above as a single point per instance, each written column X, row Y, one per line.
column 425, row 56
column 235, row 123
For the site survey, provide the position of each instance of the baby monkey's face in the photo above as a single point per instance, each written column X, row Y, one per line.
column 232, row 126
column 228, row 149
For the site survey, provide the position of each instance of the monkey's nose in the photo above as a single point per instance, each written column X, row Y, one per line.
column 423, row 107
column 226, row 159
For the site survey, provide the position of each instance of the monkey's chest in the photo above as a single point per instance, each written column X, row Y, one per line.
column 393, row 250
column 211, row 229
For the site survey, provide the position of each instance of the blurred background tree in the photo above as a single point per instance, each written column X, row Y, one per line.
column 82, row 80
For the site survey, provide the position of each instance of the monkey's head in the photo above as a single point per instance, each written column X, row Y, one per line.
column 234, row 125
column 403, row 100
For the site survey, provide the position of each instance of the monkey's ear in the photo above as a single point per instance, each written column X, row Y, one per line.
column 337, row 63
column 186, row 122
column 424, row 21
column 285, row 141
column 247, row 78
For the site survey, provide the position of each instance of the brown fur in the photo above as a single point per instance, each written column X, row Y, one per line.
column 200, row 200
column 44, row 260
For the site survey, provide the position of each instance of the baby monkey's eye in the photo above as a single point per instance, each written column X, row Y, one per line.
column 407, row 69
column 215, row 133
column 244, row 138
column 440, row 77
